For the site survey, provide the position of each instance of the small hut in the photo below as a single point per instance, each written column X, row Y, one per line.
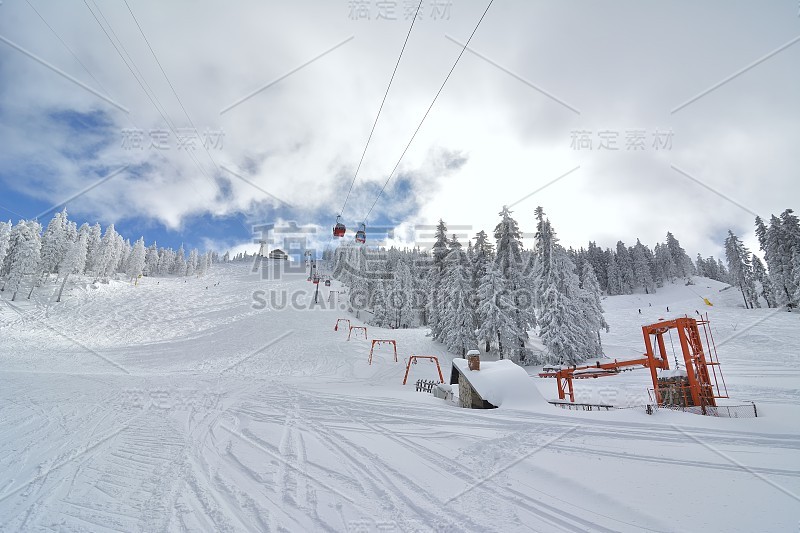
column 277, row 253
column 492, row 384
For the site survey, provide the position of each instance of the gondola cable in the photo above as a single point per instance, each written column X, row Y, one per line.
column 391, row 174
column 374, row 124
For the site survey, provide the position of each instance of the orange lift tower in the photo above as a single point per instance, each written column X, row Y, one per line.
column 698, row 387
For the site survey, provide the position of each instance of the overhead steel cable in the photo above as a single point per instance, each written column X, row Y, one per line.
column 391, row 174
column 174, row 92
column 364, row 153
column 142, row 82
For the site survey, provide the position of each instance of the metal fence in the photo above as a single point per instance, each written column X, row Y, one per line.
column 747, row 410
column 425, row 385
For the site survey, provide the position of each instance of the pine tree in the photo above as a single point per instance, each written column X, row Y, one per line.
column 796, row 266
column 458, row 316
column 54, row 243
column 683, row 264
column 561, row 318
column 435, row 302
column 760, row 275
column 136, row 261
column 108, row 254
column 761, row 233
column 179, row 262
column 5, row 236
column 666, row 264
column 740, row 269
column 191, row 263
column 74, row 262
column 778, row 254
column 614, row 284
column 508, row 259
column 790, row 245
column 641, row 269
column 151, row 260
column 627, row 278
column 93, row 246
column 495, row 313
column 592, row 311
column 24, row 256
column 700, row 265
column 482, row 255
column 400, row 295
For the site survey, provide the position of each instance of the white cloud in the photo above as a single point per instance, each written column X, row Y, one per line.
column 623, row 66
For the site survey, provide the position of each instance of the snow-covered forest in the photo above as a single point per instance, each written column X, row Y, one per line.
column 493, row 293
column 30, row 256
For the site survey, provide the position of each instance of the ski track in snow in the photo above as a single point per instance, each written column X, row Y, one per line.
column 206, row 426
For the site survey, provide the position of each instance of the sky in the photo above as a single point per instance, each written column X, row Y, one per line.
column 194, row 122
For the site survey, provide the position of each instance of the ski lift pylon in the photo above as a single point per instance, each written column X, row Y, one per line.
column 339, row 229
column 361, row 234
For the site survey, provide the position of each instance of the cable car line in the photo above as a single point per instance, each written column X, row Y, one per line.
column 372, row 131
column 339, row 228
column 426, row 112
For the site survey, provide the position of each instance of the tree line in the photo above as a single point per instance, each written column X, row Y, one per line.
column 493, row 293
column 29, row 254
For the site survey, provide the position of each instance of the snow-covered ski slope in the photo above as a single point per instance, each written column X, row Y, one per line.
column 178, row 406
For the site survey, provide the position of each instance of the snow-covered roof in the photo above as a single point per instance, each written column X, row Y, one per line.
column 501, row 383
column 672, row 373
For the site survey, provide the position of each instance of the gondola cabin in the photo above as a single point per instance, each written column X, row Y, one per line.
column 339, row 229
column 361, row 235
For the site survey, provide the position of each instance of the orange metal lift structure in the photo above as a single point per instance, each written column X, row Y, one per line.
column 431, row 358
column 383, row 341
column 703, row 386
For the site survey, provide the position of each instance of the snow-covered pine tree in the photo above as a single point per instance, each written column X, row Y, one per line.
column 760, row 275
column 495, row 313
column 458, row 315
column 54, row 243
column 796, row 266
column 627, row 278
column 509, row 260
column 683, row 263
column 93, row 247
column 592, row 311
column 561, row 320
column 741, row 270
column 435, row 304
column 723, row 272
column 24, row 255
column 380, row 305
column 136, row 260
column 790, row 245
column 74, row 262
column 641, row 268
column 401, row 294
column 482, row 255
column 700, row 266
column 108, row 254
column 151, row 260
column 5, row 235
column 179, row 262
column 191, row 263
column 614, row 284
column 596, row 256
column 666, row 264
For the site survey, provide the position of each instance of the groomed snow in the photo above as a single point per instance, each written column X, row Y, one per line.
column 179, row 406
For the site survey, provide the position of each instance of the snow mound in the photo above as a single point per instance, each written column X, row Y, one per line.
column 502, row 383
